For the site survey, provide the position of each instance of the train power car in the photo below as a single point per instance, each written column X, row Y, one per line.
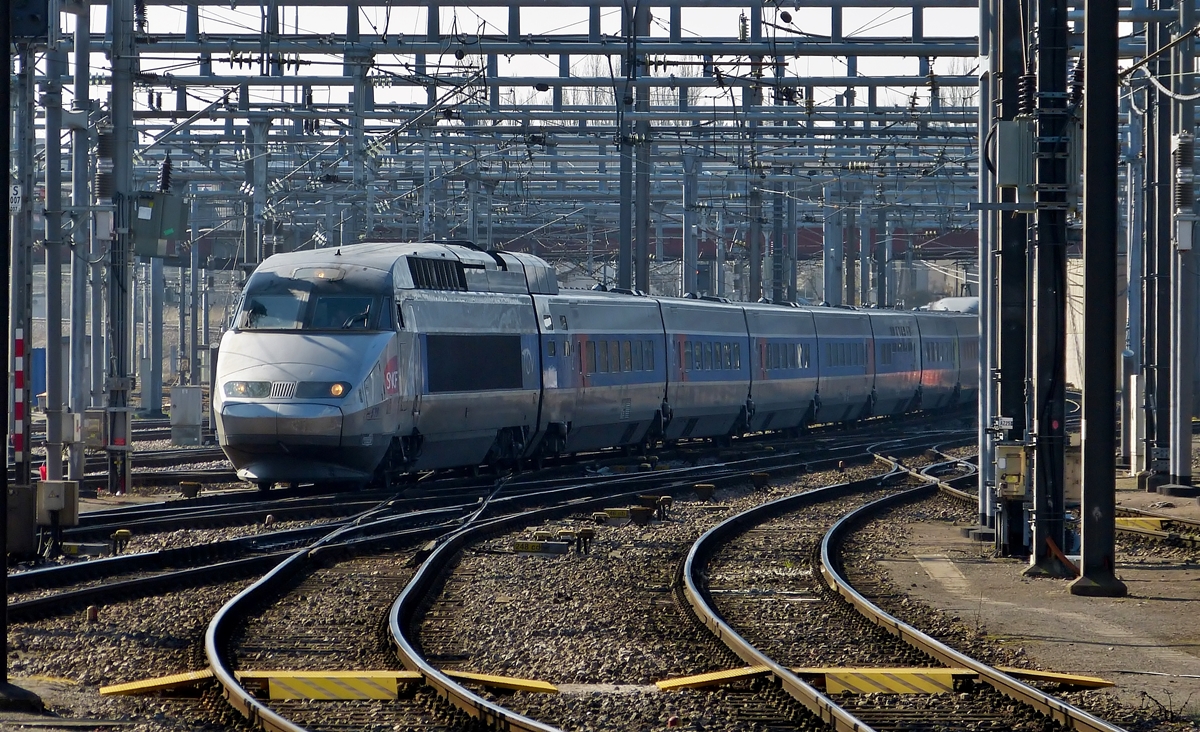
column 353, row 364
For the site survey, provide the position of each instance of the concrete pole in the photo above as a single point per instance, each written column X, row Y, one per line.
column 719, row 238
column 642, row 152
column 832, row 246
column 121, row 106
column 182, row 327
column 864, row 260
column 1097, row 512
column 754, row 237
column 152, row 392
column 1183, row 285
column 1159, row 257
column 889, row 255
column 687, row 268
column 790, row 236
column 777, row 246
column 987, row 300
column 21, row 294
column 6, row 350
column 1050, row 263
column 1132, row 416
column 194, row 308
column 882, row 255
column 56, row 69
column 852, row 244
column 78, row 396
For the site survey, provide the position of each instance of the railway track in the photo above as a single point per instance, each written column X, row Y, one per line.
column 365, row 538
column 887, row 640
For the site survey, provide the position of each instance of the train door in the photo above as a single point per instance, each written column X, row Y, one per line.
column 408, row 374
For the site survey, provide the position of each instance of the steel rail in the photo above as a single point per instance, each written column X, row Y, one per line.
column 406, row 609
column 221, row 628
column 693, row 576
column 1071, row 717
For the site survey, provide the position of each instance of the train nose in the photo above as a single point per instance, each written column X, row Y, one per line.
column 299, row 425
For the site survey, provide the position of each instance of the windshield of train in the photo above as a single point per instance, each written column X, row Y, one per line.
column 278, row 304
column 273, row 311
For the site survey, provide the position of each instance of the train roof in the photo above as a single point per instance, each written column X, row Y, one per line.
column 431, row 265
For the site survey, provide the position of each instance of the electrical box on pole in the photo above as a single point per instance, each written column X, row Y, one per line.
column 1015, row 159
column 1012, row 472
column 154, row 219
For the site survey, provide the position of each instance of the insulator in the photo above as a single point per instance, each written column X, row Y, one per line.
column 106, row 145
column 1076, row 84
column 743, row 27
column 164, row 175
column 139, row 15
column 104, row 185
column 1185, row 150
column 1182, row 157
column 1185, row 194
column 1027, row 86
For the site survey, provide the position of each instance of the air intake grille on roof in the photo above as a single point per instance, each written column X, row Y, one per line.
column 283, row 390
column 437, row 274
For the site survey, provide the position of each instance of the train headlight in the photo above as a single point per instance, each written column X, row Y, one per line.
column 322, row 389
column 252, row 389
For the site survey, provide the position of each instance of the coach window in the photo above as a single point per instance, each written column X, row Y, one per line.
column 648, row 355
column 707, row 356
column 567, row 348
column 550, row 349
column 614, row 355
column 602, row 353
column 687, row 355
column 591, row 357
column 627, row 355
column 637, row 355
column 737, row 355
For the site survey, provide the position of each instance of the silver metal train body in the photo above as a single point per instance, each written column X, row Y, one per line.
column 344, row 365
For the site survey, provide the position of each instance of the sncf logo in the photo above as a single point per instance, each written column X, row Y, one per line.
column 391, row 377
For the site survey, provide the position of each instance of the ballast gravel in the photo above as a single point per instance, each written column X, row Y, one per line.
column 604, row 625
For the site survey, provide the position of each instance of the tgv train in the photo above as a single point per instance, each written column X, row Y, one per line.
column 348, row 365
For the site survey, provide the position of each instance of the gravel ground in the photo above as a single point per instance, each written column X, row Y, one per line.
column 606, row 624
column 888, row 536
column 70, row 659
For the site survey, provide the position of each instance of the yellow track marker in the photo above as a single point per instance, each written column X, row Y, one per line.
column 1153, row 524
column 1085, row 682
column 328, row 685
column 713, row 678
column 503, row 682
column 161, row 683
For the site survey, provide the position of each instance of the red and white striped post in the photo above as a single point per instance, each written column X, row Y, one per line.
column 20, row 415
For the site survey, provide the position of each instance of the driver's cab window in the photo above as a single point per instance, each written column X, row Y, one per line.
column 343, row 312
